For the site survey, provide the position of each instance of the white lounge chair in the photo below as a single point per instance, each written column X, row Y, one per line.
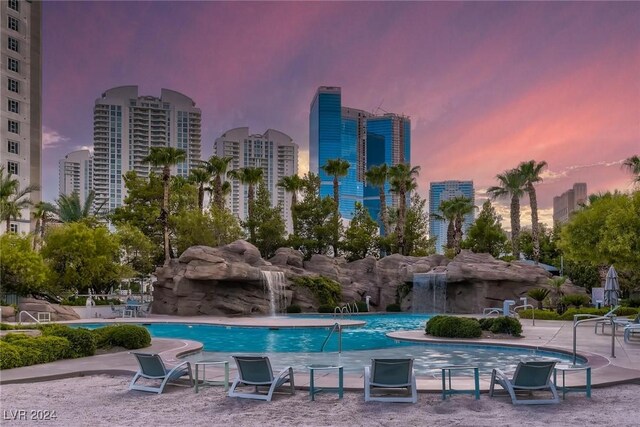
column 529, row 377
column 255, row 371
column 631, row 329
column 390, row 376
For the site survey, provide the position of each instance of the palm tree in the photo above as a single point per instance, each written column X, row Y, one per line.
column 217, row 167
column 200, row 177
column 632, row 164
column 511, row 185
column 71, row 209
column 530, row 172
column 292, row 184
column 40, row 213
column 454, row 210
column 336, row 168
column 377, row 176
column 402, row 178
column 12, row 199
column 249, row 177
column 165, row 157
column 448, row 215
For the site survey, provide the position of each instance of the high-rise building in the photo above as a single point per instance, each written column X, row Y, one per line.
column 446, row 190
column 126, row 126
column 21, row 93
column 76, row 174
column 274, row 152
column 569, row 202
column 359, row 137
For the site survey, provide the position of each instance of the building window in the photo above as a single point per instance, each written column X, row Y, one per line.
column 13, row 45
column 13, row 106
column 13, row 147
column 13, row 23
column 13, row 228
column 13, row 65
column 12, row 168
column 15, row 5
column 13, row 85
column 14, row 126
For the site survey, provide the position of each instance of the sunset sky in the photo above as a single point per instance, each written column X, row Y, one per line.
column 487, row 85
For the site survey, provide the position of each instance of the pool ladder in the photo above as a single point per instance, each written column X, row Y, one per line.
column 338, row 327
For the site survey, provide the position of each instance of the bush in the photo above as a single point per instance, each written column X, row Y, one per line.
column 294, row 308
column 633, row 302
column 6, row 327
column 394, row 308
column 130, row 337
column 43, row 349
column 326, row 291
column 540, row 314
column 576, row 300
column 83, row 342
column 9, row 355
column 453, row 327
column 362, row 307
column 486, row 323
column 506, row 325
column 326, row 308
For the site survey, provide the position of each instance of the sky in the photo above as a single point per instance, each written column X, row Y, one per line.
column 486, row 85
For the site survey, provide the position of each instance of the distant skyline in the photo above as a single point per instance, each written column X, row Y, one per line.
column 487, row 85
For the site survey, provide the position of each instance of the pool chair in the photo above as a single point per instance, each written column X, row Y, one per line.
column 152, row 368
column 631, row 329
column 529, row 377
column 256, row 372
column 386, row 377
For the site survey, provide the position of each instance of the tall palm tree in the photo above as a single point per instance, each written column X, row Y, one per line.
column 13, row 199
column 41, row 213
column 249, row 177
column 402, row 178
column 377, row 176
column 292, row 184
column 447, row 215
column 632, row 164
column 454, row 210
column 511, row 185
column 165, row 157
column 530, row 172
column 200, row 177
column 72, row 209
column 336, row 168
column 217, row 167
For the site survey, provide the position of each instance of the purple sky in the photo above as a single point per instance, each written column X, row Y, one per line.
column 487, row 85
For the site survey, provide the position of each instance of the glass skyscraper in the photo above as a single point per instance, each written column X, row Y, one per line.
column 359, row 137
column 445, row 190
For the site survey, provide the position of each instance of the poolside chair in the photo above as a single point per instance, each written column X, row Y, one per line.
column 630, row 329
column 529, row 377
column 390, row 376
column 255, row 371
column 116, row 312
column 152, row 368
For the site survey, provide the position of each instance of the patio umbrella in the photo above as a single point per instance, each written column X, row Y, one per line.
column 611, row 287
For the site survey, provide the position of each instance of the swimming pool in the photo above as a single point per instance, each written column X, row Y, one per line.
column 300, row 347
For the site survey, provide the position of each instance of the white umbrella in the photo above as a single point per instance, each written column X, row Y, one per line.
column 611, row 287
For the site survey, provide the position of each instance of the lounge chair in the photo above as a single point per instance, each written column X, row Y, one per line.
column 530, row 377
column 390, row 375
column 256, row 371
column 630, row 329
column 152, row 368
column 116, row 312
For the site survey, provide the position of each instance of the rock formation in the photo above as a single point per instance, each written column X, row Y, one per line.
column 228, row 280
column 34, row 306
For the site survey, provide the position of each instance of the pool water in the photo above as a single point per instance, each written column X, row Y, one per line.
column 300, row 347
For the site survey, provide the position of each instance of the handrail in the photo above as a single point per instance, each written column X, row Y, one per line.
column 28, row 314
column 333, row 328
column 594, row 318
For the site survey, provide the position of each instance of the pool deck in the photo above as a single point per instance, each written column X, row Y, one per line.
column 546, row 334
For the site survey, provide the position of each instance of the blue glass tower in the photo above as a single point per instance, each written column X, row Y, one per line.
column 445, row 190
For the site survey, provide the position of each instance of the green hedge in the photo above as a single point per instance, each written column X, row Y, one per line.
column 506, row 325
column 9, row 356
column 294, row 308
column 453, row 327
column 326, row 308
column 326, row 291
column 130, row 337
column 568, row 315
column 83, row 342
column 394, row 308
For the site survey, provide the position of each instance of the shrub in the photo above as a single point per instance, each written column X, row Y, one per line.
column 633, row 302
column 326, row 308
column 453, row 327
column 485, row 323
column 539, row 294
column 128, row 336
column 540, row 314
column 6, row 327
column 506, row 325
column 326, row 291
column 43, row 349
column 394, row 308
column 9, row 355
column 575, row 300
column 83, row 342
column 362, row 307
column 294, row 308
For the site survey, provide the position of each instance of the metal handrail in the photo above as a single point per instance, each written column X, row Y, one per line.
column 593, row 318
column 28, row 314
column 333, row 328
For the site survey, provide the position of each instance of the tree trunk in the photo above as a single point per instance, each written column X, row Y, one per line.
column 383, row 211
column 201, row 196
column 457, row 239
column 515, row 226
column 294, row 217
column 164, row 215
column 336, row 193
column 535, row 229
column 451, row 234
column 402, row 207
column 252, row 231
column 217, row 192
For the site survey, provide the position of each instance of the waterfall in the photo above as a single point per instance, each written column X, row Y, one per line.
column 274, row 283
column 429, row 293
